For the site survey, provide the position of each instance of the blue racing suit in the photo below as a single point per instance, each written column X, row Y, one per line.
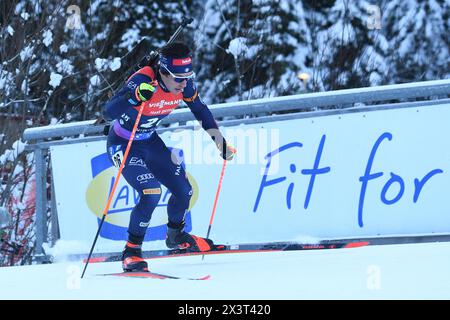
column 150, row 163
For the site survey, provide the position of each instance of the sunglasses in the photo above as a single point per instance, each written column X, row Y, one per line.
column 178, row 79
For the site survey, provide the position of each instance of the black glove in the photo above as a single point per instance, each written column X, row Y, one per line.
column 227, row 151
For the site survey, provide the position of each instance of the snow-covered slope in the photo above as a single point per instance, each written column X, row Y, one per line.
column 408, row 271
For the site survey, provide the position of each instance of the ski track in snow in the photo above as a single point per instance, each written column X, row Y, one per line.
column 407, row 271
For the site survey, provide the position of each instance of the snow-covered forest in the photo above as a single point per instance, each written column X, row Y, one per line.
column 60, row 60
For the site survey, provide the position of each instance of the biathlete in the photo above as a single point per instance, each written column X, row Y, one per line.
column 161, row 88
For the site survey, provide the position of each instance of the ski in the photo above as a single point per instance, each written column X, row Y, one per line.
column 154, row 254
column 151, row 275
column 227, row 249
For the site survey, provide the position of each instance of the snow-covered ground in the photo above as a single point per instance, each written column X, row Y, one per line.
column 407, row 271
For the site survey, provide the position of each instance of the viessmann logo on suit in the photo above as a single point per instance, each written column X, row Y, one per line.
column 162, row 107
column 125, row 198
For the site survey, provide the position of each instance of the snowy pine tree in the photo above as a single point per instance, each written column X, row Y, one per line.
column 352, row 53
column 282, row 39
column 251, row 49
column 68, row 56
column 417, row 32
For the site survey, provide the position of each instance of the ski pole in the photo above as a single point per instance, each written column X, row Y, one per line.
column 219, row 187
column 108, row 203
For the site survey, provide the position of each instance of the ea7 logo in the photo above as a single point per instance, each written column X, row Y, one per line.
column 135, row 161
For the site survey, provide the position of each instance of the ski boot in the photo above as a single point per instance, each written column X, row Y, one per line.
column 132, row 260
column 177, row 238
